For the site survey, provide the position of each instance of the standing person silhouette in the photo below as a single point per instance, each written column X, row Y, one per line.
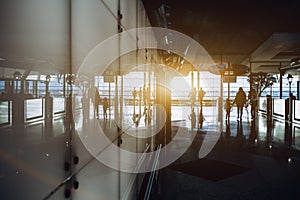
column 227, row 107
column 94, row 94
column 201, row 94
column 240, row 100
column 192, row 96
column 192, row 117
column 252, row 96
column 105, row 107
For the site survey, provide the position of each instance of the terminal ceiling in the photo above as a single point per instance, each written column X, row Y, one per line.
column 267, row 33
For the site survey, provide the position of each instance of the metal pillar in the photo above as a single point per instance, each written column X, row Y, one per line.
column 18, row 111
column 220, row 101
column 280, row 86
column 163, row 98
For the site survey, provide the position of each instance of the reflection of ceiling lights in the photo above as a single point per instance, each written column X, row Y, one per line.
column 2, row 59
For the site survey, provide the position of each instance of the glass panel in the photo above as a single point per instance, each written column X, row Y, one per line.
column 297, row 110
column 34, row 108
column 263, row 104
column 5, row 112
column 58, row 104
column 2, row 86
column 279, row 107
column 35, row 41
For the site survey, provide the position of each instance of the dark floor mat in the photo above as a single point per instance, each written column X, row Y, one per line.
column 210, row 169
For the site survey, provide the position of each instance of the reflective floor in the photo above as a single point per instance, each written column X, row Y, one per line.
column 253, row 159
column 257, row 159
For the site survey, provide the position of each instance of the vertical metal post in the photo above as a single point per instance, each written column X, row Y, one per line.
column 192, row 78
column 220, row 102
column 228, row 88
column 280, row 82
column 298, row 89
column 198, row 80
column 64, row 85
column 121, row 101
column 228, row 83
column 116, row 96
column 109, row 100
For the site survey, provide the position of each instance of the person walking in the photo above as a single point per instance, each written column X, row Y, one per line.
column 227, row 107
column 240, row 101
column 201, row 94
column 192, row 96
column 192, row 117
column 252, row 96
column 105, row 107
column 94, row 95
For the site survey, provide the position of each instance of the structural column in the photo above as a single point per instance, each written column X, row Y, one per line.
column 18, row 110
column 163, row 100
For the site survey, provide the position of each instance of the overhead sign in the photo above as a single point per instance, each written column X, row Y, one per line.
column 229, row 79
column 108, row 79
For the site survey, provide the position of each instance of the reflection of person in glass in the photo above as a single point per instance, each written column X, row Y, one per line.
column 105, row 107
column 201, row 94
column 134, row 94
column 192, row 96
column 253, row 136
column 240, row 139
column 228, row 132
column 240, row 100
column 95, row 97
column 192, row 117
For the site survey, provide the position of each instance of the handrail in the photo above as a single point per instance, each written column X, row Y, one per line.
column 153, row 172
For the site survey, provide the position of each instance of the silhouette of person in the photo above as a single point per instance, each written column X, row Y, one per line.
column 240, row 100
column 252, row 96
column 192, row 117
column 95, row 96
column 227, row 108
column 192, row 96
column 201, row 94
column 105, row 107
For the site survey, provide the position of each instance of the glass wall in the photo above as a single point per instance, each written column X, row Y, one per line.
column 46, row 117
